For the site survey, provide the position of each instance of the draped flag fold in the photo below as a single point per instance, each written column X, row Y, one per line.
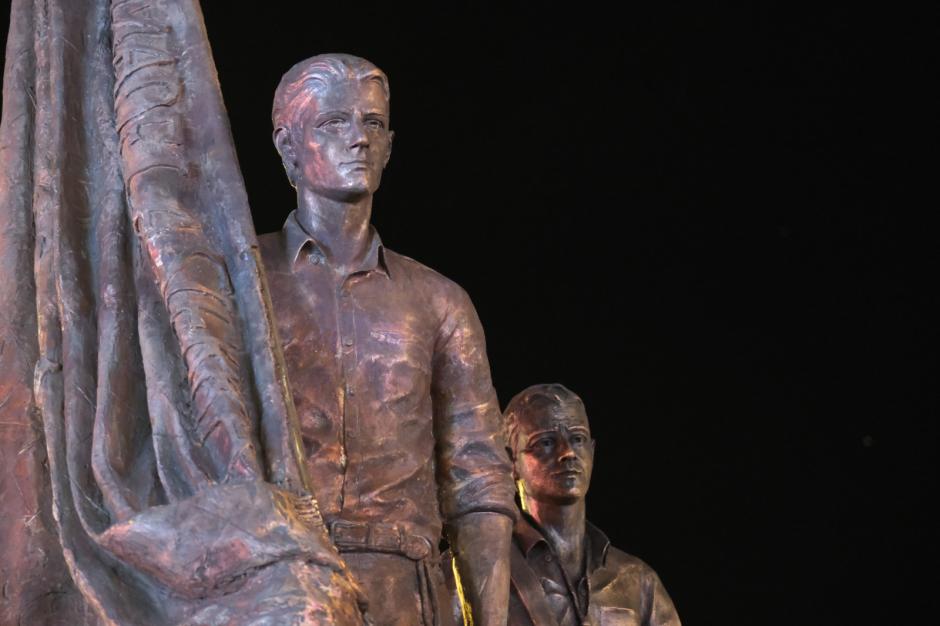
column 149, row 449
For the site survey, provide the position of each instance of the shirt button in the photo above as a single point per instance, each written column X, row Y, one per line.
column 548, row 558
column 351, row 392
column 344, row 294
column 348, row 342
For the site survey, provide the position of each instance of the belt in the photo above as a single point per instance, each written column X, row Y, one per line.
column 374, row 537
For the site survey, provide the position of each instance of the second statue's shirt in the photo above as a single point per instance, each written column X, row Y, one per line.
column 392, row 387
column 617, row 589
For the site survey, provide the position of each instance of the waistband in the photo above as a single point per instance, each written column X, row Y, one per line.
column 376, row 537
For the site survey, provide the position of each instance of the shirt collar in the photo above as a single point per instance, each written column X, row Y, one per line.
column 528, row 535
column 598, row 545
column 298, row 241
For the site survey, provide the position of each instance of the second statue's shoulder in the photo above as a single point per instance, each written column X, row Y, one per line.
column 620, row 559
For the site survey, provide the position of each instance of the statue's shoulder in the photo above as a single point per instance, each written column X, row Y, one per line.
column 412, row 268
column 271, row 250
column 603, row 551
column 618, row 567
column 625, row 585
column 624, row 562
column 268, row 243
column 422, row 277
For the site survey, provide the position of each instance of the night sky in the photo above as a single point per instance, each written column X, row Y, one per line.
column 700, row 220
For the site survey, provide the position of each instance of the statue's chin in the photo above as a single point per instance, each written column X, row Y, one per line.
column 353, row 191
column 565, row 499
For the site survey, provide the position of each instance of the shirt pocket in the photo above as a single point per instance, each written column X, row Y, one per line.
column 617, row 616
column 399, row 368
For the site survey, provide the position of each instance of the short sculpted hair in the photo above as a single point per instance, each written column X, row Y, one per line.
column 314, row 75
column 536, row 399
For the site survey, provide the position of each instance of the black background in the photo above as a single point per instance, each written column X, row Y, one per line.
column 700, row 220
column 691, row 218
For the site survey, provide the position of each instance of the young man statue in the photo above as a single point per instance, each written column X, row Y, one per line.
column 387, row 363
column 564, row 570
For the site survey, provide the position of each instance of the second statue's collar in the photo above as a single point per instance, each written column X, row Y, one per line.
column 528, row 534
column 298, row 241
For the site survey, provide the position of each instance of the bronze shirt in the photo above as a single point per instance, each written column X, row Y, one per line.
column 617, row 590
column 391, row 382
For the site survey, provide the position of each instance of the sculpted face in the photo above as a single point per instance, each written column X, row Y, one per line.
column 343, row 142
column 554, row 453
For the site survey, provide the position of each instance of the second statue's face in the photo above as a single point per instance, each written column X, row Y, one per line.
column 555, row 454
column 344, row 141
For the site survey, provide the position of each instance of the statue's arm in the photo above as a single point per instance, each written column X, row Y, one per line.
column 481, row 545
column 474, row 473
column 662, row 610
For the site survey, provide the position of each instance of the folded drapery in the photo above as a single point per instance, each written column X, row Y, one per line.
column 142, row 390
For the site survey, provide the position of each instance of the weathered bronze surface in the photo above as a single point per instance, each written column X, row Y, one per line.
column 564, row 570
column 387, row 363
column 154, row 467
column 152, row 470
column 155, row 470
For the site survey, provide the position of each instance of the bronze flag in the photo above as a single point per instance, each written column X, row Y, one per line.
column 150, row 468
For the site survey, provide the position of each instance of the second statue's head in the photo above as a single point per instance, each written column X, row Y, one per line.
column 550, row 444
column 331, row 126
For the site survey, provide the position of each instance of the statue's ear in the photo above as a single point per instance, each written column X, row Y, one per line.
column 388, row 153
column 285, row 147
column 512, row 461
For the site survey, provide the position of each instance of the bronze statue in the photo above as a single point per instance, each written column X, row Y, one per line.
column 564, row 570
column 387, row 362
column 168, row 412
column 154, row 468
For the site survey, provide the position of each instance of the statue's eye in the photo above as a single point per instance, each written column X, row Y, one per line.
column 375, row 124
column 578, row 440
column 545, row 443
column 333, row 122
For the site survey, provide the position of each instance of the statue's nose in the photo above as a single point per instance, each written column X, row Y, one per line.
column 565, row 451
column 358, row 137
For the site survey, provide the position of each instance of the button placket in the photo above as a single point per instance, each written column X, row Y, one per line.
column 316, row 297
column 347, row 330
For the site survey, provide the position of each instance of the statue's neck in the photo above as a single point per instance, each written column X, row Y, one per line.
column 340, row 228
column 563, row 526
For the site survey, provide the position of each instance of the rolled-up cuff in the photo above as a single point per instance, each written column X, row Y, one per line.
column 493, row 492
column 511, row 513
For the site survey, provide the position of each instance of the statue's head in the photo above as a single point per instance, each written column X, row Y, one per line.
column 550, row 444
column 331, row 125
